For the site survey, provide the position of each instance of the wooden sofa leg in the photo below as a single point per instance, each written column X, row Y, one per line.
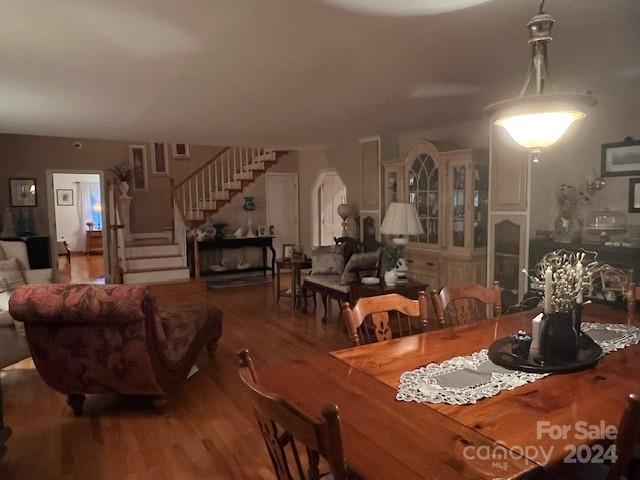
column 325, row 307
column 160, row 403
column 212, row 346
column 76, row 401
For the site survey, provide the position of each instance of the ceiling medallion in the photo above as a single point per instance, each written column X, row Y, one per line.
column 538, row 120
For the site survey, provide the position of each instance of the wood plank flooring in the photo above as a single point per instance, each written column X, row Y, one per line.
column 208, row 431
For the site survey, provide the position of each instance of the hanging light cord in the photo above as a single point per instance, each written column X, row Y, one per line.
column 539, row 62
column 541, row 7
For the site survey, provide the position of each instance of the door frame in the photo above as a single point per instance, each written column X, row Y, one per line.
column 294, row 175
column 315, row 213
column 51, row 213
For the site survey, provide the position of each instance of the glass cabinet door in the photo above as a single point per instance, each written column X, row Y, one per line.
column 424, row 185
column 458, row 201
column 480, row 205
column 391, row 187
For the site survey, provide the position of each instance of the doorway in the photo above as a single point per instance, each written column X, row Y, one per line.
column 282, row 208
column 328, row 192
column 77, row 226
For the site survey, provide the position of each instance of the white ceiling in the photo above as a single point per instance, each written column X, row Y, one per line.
column 291, row 72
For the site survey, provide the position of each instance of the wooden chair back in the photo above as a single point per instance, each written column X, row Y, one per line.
column 628, row 437
column 282, row 425
column 463, row 300
column 633, row 295
column 378, row 309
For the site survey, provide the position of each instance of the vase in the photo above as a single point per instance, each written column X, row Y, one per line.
column 249, row 205
column 391, row 277
column 560, row 339
column 124, row 188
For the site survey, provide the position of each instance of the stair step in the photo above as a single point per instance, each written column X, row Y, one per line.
column 147, row 242
column 233, row 185
column 154, row 262
column 221, row 195
column 255, row 166
column 155, row 269
column 161, row 275
column 207, row 205
column 243, row 176
column 153, row 250
column 266, row 157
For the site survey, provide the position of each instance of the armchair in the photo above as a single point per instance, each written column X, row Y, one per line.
column 89, row 339
column 18, row 250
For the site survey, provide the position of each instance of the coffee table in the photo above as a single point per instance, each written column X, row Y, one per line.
column 294, row 266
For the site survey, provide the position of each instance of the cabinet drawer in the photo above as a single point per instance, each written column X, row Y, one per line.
column 419, row 259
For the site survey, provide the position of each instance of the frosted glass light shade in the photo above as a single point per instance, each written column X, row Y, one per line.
column 401, row 219
column 539, row 130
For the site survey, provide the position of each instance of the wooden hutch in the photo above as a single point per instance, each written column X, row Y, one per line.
column 450, row 190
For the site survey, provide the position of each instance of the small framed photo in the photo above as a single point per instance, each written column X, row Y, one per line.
column 621, row 159
column 159, row 159
column 138, row 161
column 64, row 197
column 181, row 151
column 262, row 231
column 23, row 192
column 287, row 250
column 634, row 195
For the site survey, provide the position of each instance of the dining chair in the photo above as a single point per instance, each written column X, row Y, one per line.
column 463, row 302
column 282, row 425
column 378, row 310
column 633, row 295
column 625, row 466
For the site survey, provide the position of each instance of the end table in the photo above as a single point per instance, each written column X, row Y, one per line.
column 409, row 289
column 294, row 266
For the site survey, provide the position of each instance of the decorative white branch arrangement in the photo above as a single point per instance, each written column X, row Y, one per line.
column 566, row 278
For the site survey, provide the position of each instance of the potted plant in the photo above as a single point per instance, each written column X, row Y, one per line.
column 390, row 257
column 122, row 175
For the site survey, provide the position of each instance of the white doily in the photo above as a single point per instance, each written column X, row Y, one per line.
column 465, row 380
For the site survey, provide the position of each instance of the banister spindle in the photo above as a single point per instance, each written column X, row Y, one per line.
column 204, row 192
column 197, row 200
column 210, row 185
column 215, row 172
column 184, row 200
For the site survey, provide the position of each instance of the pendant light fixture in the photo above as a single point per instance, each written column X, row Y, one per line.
column 538, row 120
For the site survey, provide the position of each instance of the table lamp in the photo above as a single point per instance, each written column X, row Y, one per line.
column 402, row 220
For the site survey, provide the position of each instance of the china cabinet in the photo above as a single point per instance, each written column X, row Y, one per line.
column 450, row 192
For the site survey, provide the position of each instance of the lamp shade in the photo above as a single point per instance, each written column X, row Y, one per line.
column 401, row 219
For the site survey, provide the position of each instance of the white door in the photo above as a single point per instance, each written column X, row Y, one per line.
column 282, row 208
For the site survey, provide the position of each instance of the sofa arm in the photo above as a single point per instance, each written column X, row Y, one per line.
column 40, row 275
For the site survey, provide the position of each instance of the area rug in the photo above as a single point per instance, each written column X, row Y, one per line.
column 235, row 282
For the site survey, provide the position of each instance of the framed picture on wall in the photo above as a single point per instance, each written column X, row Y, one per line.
column 138, row 161
column 64, row 197
column 634, row 195
column 180, row 151
column 23, row 192
column 621, row 158
column 159, row 159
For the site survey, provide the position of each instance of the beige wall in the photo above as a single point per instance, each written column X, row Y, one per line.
column 31, row 156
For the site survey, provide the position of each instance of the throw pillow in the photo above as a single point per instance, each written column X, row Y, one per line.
column 2, row 255
column 327, row 260
column 359, row 262
column 10, row 273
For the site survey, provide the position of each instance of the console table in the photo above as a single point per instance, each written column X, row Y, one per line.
column 264, row 243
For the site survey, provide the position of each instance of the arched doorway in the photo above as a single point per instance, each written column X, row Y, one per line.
column 328, row 192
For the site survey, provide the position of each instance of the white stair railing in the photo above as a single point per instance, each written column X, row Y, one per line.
column 198, row 193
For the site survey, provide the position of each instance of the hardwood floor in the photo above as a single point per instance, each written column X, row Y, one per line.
column 83, row 269
column 208, row 432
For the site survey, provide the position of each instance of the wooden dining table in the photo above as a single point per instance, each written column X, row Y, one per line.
column 522, row 433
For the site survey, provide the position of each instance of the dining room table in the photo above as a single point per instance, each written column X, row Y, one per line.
column 530, row 431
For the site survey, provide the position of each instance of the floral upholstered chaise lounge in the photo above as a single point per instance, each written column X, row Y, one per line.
column 88, row 339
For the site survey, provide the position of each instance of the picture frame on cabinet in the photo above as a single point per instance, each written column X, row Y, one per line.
column 621, row 158
column 138, row 162
column 634, row 195
column 159, row 159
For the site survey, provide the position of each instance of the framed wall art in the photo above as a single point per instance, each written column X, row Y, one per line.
column 23, row 192
column 64, row 197
column 181, row 151
column 138, row 161
column 621, row 158
column 159, row 159
column 634, row 195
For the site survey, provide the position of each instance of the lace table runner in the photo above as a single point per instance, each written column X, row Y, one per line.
column 465, row 380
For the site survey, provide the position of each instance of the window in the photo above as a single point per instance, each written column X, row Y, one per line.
column 95, row 210
column 423, row 193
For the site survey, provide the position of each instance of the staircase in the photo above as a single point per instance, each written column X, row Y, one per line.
column 212, row 186
column 162, row 257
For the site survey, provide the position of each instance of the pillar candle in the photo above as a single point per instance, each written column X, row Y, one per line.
column 579, row 281
column 548, row 289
